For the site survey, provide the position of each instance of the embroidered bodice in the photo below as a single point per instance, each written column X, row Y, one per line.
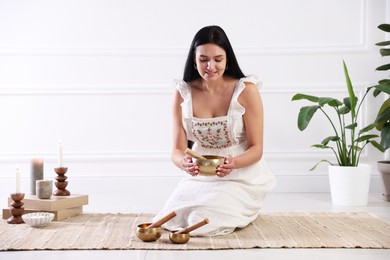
column 218, row 132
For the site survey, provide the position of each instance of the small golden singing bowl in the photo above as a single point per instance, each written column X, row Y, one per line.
column 179, row 238
column 148, row 234
column 209, row 167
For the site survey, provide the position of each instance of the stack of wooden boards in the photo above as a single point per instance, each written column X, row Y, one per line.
column 62, row 206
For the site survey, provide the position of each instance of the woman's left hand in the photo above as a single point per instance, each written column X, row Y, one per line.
column 226, row 168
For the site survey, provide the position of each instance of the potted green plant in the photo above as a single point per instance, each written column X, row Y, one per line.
column 349, row 179
column 383, row 117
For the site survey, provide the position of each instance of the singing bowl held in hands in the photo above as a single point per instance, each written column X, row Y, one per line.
column 209, row 167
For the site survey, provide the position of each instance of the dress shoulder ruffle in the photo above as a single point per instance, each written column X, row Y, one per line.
column 182, row 87
column 236, row 107
column 185, row 92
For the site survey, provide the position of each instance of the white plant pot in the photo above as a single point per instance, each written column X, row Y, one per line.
column 349, row 186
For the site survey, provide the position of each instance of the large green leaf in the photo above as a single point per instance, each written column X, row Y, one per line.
column 351, row 126
column 384, row 27
column 330, row 138
column 366, row 137
column 367, row 128
column 377, row 146
column 305, row 115
column 384, row 87
column 329, row 101
column 385, row 136
column 321, row 146
column 347, row 101
column 385, row 43
column 383, row 115
column 351, row 93
column 324, row 100
column 376, row 91
column 384, row 67
column 334, row 102
column 344, row 110
column 384, row 81
column 300, row 96
column 384, row 52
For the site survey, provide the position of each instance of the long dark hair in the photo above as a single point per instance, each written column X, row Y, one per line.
column 216, row 35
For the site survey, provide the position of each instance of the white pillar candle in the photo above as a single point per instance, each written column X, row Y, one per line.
column 17, row 181
column 61, row 154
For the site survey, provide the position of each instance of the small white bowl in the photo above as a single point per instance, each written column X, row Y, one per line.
column 38, row 219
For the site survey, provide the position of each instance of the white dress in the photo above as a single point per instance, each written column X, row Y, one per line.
column 230, row 202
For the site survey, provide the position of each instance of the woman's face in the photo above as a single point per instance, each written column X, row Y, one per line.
column 210, row 60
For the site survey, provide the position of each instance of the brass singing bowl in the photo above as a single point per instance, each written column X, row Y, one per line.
column 148, row 234
column 179, row 238
column 209, row 167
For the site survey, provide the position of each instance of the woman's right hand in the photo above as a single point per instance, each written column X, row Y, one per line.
column 189, row 166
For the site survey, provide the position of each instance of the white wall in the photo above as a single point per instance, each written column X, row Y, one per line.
column 97, row 74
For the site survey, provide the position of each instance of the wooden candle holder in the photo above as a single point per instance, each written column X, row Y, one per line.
column 61, row 182
column 16, row 209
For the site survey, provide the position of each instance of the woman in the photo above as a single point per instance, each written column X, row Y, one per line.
column 220, row 110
